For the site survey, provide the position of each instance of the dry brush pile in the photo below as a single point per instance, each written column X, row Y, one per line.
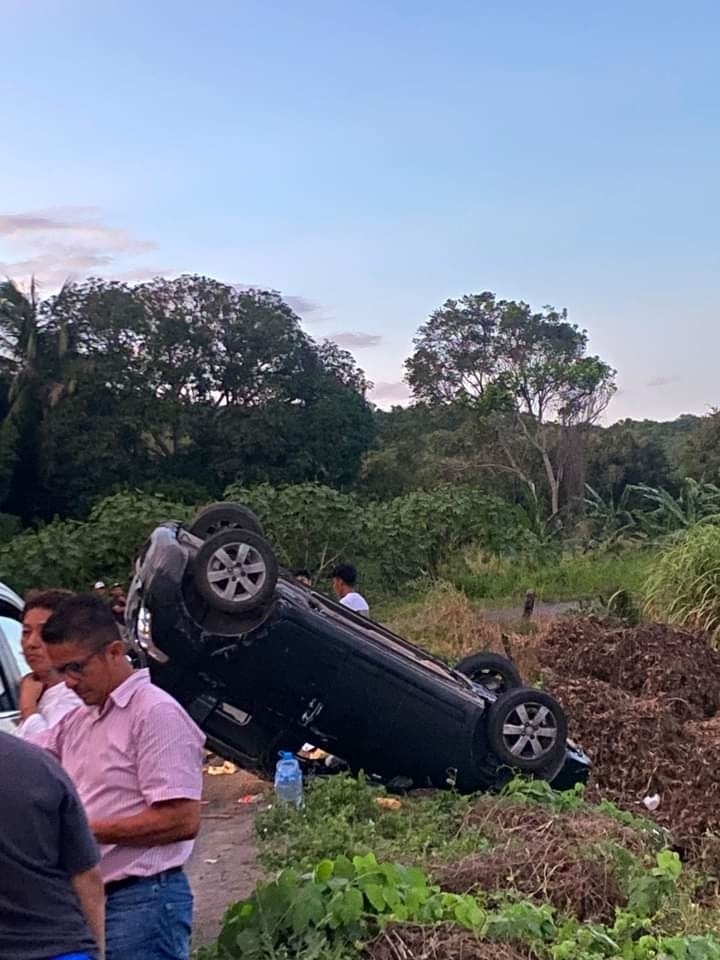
column 645, row 703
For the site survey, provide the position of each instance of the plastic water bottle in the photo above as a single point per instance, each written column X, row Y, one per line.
column 288, row 779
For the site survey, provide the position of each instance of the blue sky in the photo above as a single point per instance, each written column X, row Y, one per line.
column 370, row 159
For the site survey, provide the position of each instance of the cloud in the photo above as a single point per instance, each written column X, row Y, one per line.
column 662, row 381
column 391, row 392
column 357, row 340
column 64, row 243
column 76, row 227
column 302, row 305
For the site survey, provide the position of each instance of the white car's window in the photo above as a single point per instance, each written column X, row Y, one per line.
column 13, row 633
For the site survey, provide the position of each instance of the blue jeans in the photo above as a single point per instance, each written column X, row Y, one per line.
column 151, row 919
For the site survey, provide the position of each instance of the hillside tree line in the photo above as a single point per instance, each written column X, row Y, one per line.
column 183, row 387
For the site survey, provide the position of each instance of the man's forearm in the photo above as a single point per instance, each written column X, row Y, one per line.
column 158, row 825
column 91, row 893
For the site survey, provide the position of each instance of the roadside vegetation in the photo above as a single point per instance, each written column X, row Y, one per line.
column 528, row 874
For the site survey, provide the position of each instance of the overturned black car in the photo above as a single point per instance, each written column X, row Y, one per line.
column 263, row 663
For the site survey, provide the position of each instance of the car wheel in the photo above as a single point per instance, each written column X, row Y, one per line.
column 235, row 571
column 224, row 516
column 492, row 670
column 527, row 729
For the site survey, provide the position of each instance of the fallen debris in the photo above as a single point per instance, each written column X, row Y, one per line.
column 226, row 768
column 645, row 704
column 439, row 942
column 560, row 858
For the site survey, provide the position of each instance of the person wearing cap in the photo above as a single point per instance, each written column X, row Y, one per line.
column 100, row 590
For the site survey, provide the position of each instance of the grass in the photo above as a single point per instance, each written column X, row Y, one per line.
column 463, row 611
column 341, row 815
column 499, row 582
column 684, row 587
column 530, row 842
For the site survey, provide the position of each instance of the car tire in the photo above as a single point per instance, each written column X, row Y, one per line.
column 224, row 516
column 492, row 670
column 527, row 730
column 235, row 571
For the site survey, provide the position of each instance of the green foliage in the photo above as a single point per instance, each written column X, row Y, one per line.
column 342, row 901
column 71, row 554
column 10, row 526
column 310, row 525
column 554, row 576
column 391, row 542
column 539, row 792
column 340, row 813
column 684, row 586
column 611, row 519
column 700, row 451
column 661, row 512
column 413, row 535
column 331, row 910
column 335, row 892
column 619, row 456
column 106, row 385
column 526, row 373
column 650, row 889
column 621, row 607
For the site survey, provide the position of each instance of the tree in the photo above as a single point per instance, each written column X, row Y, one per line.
column 185, row 383
column 617, row 458
column 527, row 374
column 19, row 361
column 700, row 452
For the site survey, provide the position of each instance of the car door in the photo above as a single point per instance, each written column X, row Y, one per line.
column 11, row 670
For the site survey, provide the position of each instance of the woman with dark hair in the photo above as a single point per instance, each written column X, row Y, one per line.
column 44, row 696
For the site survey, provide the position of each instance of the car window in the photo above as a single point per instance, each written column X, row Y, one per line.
column 13, row 634
column 10, row 634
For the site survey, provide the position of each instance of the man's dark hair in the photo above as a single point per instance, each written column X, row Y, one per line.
column 345, row 572
column 82, row 618
column 46, row 599
column 303, row 573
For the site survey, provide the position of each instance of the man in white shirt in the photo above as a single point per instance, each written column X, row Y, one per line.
column 45, row 698
column 344, row 578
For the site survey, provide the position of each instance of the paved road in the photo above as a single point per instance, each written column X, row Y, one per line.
column 542, row 611
column 226, row 837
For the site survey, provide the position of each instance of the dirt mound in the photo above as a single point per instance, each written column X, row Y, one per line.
column 560, row 859
column 643, row 702
column 440, row 943
column 647, row 661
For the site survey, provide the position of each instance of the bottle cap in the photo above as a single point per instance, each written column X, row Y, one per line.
column 286, row 755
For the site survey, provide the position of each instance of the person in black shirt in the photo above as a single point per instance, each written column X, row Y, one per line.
column 52, row 900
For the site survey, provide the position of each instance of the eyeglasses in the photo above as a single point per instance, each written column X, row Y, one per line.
column 75, row 668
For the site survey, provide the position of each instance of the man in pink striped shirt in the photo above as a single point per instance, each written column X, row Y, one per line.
column 135, row 758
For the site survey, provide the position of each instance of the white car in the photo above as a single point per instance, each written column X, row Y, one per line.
column 12, row 662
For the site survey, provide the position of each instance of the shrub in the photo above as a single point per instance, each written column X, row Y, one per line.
column 309, row 525
column 391, row 542
column 71, row 554
column 684, row 587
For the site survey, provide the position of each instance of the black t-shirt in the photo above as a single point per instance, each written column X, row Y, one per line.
column 44, row 841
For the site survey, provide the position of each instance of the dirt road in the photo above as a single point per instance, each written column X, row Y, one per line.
column 223, row 867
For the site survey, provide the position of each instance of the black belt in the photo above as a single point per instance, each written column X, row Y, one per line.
column 116, row 885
